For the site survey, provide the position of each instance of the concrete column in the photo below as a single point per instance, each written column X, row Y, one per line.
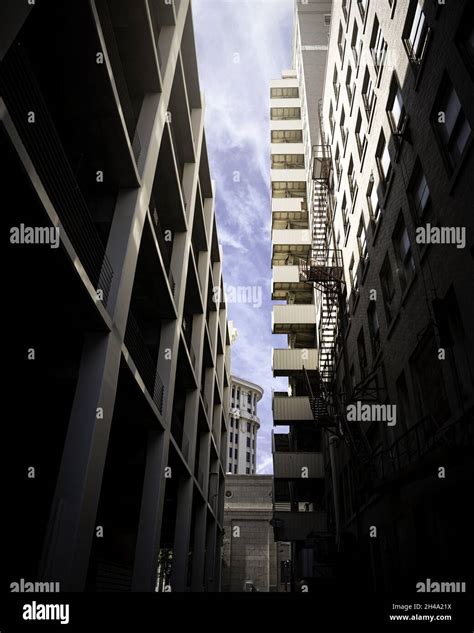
column 182, row 534
column 199, row 547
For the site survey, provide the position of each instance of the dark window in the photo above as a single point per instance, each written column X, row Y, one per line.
column 229, row 469
column 356, row 44
column 428, row 382
column 362, row 4
column 350, row 85
column 352, row 179
column 368, row 93
column 384, row 163
column 342, row 127
column 403, row 251
column 231, row 436
column 378, row 46
column 248, row 427
column 345, row 215
column 395, row 108
column 247, row 470
column 374, row 328
column 373, row 199
column 230, row 451
column 337, row 162
column 235, row 469
column 465, row 37
column 360, row 134
column 236, row 453
column 248, row 457
column 415, row 33
column 362, row 354
column 419, row 193
column 450, row 124
column 341, row 41
column 388, row 288
column 362, row 242
column 248, row 442
column 403, row 402
column 335, row 84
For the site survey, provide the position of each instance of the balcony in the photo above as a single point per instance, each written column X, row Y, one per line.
column 292, row 209
column 293, row 241
column 288, row 410
column 298, row 526
column 287, row 279
column 289, row 465
column 290, row 362
column 293, row 318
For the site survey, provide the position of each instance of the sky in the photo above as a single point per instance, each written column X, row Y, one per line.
column 241, row 45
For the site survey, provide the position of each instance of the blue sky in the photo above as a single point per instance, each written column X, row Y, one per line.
column 241, row 45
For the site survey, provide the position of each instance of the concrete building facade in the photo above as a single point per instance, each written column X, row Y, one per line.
column 120, row 446
column 299, row 513
column 252, row 560
column 243, row 426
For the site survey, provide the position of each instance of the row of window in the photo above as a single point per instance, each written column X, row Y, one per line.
column 250, row 428
column 229, row 470
column 233, row 452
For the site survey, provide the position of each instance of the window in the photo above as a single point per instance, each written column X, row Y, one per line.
column 363, row 365
column 253, row 444
column 465, row 38
column 373, row 199
column 276, row 93
column 345, row 215
column 378, row 46
column 231, row 437
column 343, row 127
column 362, row 242
column 248, row 457
column 287, row 161
column 388, row 288
column 248, row 442
column 353, row 276
column 233, row 392
column 248, row 427
column 332, row 122
column 229, row 470
column 451, row 127
column 344, row 8
column 416, row 33
column 352, row 179
column 235, row 469
column 350, row 87
column 383, row 159
column 395, row 108
column 247, row 470
column 428, row 383
column 403, row 402
column 360, row 134
column 236, row 453
column 280, row 114
column 335, row 84
column 368, row 94
column 232, row 423
column 419, row 193
column 362, row 4
column 340, row 40
column 327, row 19
column 230, row 451
column 356, row 44
column 374, row 329
column 337, row 162
column 289, row 189
column 402, row 247
column 287, row 136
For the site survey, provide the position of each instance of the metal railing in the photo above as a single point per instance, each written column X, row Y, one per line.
column 144, row 363
column 22, row 96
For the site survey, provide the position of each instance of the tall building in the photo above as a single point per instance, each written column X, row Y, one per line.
column 251, row 561
column 118, row 353
column 243, row 426
column 398, row 116
column 388, row 363
column 299, row 497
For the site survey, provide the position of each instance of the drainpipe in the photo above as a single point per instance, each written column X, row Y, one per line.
column 332, row 456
